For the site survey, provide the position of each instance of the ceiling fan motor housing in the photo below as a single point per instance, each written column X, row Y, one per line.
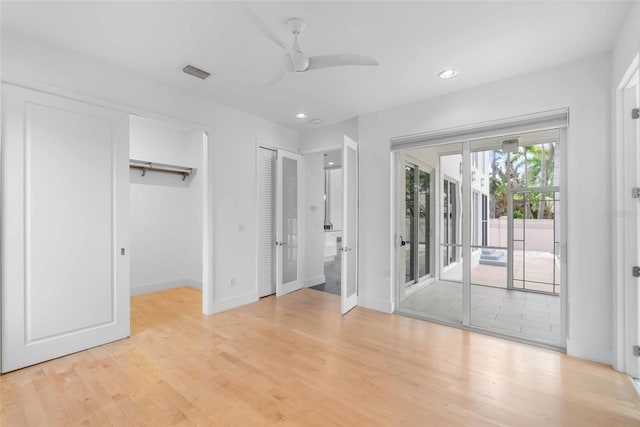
column 300, row 60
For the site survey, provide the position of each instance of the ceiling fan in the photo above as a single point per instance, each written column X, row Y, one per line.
column 294, row 60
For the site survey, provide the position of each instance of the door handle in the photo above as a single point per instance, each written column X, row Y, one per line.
column 346, row 249
column 280, row 243
column 402, row 241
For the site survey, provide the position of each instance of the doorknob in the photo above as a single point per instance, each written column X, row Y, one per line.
column 402, row 241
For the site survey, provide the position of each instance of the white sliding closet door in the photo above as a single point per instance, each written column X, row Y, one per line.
column 288, row 223
column 65, row 261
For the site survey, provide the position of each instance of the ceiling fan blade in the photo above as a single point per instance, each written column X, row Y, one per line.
column 287, row 62
column 276, row 78
column 339, row 60
column 264, row 29
column 287, row 66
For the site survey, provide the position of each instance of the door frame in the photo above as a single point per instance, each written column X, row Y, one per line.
column 546, row 120
column 626, row 310
column 399, row 212
column 432, row 250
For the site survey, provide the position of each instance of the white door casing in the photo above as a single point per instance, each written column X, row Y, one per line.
column 349, row 258
column 289, row 226
column 65, row 261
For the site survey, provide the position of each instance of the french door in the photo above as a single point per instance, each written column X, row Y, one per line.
column 65, row 255
column 349, row 256
column 288, row 222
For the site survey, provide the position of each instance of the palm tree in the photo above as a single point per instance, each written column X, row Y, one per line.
column 529, row 166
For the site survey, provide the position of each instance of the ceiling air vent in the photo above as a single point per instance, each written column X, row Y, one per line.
column 196, row 72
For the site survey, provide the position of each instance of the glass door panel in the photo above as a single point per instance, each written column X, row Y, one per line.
column 410, row 224
column 288, row 222
column 420, row 188
column 349, row 272
column 416, row 250
column 514, row 264
column 451, row 218
column 423, row 204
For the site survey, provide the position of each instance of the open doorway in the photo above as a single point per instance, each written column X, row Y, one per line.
column 480, row 235
column 332, row 211
column 331, row 227
column 166, row 205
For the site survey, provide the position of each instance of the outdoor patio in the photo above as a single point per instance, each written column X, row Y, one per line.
column 528, row 315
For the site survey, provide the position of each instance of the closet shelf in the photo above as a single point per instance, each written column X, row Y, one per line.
column 145, row 166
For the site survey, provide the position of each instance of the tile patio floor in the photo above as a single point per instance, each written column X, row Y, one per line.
column 522, row 314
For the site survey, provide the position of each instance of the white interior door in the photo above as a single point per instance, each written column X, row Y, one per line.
column 288, row 223
column 632, row 226
column 65, row 262
column 349, row 273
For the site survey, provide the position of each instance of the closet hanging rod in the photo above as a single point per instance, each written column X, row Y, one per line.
column 145, row 166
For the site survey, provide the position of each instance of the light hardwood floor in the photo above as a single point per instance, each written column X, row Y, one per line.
column 294, row 360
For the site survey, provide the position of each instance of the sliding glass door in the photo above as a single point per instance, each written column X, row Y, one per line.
column 430, row 254
column 497, row 229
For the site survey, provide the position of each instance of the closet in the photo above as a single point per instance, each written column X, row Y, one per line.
column 165, row 205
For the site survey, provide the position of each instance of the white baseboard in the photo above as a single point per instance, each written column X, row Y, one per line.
column 233, row 302
column 314, row 281
column 375, row 304
column 593, row 352
column 163, row 286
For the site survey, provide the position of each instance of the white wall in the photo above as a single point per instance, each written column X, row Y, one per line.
column 231, row 158
column 314, row 219
column 165, row 211
column 583, row 87
column 627, row 44
column 329, row 136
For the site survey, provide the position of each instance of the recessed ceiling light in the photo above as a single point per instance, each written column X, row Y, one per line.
column 301, row 116
column 330, row 163
column 316, row 121
column 448, row 73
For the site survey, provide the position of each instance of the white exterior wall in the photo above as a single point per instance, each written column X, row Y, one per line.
column 583, row 87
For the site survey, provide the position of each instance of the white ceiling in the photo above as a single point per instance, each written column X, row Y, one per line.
column 413, row 41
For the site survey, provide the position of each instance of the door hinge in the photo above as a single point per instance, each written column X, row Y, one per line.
column 635, row 113
column 636, row 350
column 635, row 271
column 635, row 192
